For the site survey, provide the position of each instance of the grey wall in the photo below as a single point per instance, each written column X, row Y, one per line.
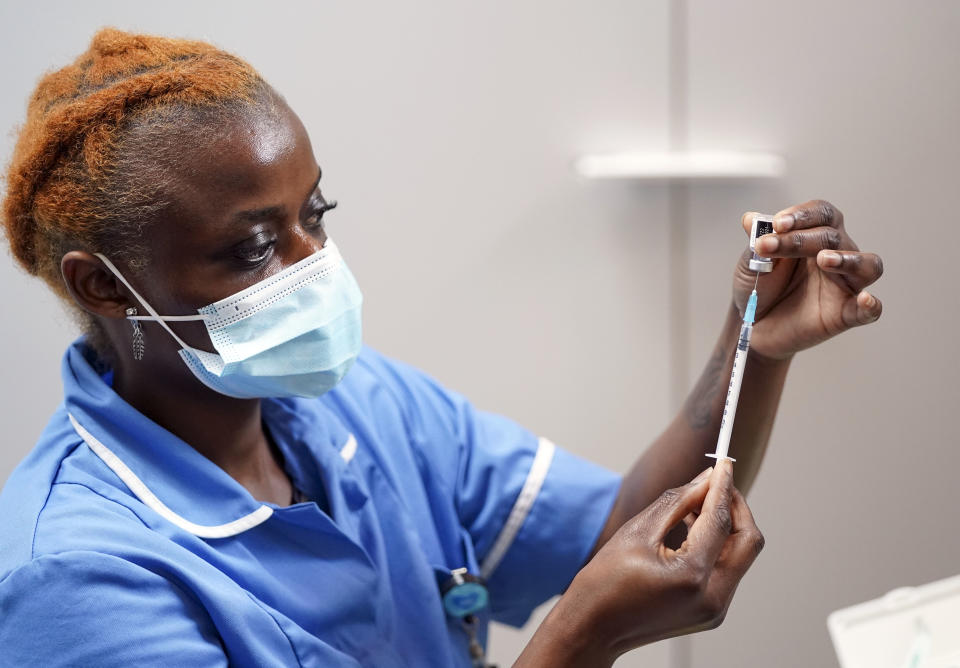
column 447, row 129
column 858, row 492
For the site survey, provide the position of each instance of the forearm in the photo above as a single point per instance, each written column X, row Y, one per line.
column 694, row 432
column 678, row 454
column 564, row 640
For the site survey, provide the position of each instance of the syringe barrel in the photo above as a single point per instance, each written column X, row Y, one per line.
column 746, row 330
column 733, row 391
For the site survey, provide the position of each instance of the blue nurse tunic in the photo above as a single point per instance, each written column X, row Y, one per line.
column 122, row 545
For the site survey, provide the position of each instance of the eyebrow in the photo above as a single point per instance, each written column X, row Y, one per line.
column 268, row 212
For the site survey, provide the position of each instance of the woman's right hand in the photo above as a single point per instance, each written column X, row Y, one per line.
column 638, row 589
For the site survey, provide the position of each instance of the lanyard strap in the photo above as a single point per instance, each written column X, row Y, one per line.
column 463, row 596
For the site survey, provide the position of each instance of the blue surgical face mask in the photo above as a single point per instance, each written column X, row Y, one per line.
column 295, row 333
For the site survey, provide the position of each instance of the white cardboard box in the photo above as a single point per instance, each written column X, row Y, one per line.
column 911, row 627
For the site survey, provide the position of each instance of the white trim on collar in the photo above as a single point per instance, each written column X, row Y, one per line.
column 142, row 492
column 349, row 449
column 521, row 508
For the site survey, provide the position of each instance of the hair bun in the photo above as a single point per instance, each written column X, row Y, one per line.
column 112, row 42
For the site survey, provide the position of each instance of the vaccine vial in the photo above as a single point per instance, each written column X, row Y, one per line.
column 762, row 224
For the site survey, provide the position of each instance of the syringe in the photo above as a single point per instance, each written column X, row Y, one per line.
column 736, row 377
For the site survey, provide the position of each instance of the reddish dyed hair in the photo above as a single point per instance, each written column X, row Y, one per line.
column 87, row 170
column 84, row 172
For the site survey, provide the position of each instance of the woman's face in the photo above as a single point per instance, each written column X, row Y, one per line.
column 243, row 206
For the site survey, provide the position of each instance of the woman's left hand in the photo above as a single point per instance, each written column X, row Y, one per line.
column 816, row 289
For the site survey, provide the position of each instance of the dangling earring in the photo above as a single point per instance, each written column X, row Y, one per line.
column 137, row 335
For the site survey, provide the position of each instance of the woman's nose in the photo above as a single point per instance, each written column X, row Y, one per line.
column 303, row 244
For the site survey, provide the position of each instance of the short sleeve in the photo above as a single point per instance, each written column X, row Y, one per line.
column 90, row 609
column 532, row 510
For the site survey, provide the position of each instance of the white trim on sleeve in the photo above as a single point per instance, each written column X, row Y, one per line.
column 521, row 508
column 142, row 492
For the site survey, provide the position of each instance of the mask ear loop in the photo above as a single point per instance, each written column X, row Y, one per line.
column 153, row 314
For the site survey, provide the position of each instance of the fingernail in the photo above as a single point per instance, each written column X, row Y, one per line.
column 784, row 223
column 831, row 259
column 769, row 243
column 871, row 300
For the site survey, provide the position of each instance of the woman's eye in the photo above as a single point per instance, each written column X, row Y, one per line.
column 255, row 253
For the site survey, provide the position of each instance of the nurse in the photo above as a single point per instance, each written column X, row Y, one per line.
column 233, row 478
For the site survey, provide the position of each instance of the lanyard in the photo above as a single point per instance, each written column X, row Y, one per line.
column 463, row 596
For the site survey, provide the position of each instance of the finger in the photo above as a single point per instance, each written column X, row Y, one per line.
column 860, row 269
column 709, row 532
column 815, row 213
column 673, row 505
column 802, row 243
column 744, row 531
column 745, row 542
column 739, row 552
column 746, row 221
column 861, row 309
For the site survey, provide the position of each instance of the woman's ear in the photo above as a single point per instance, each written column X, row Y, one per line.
column 94, row 288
